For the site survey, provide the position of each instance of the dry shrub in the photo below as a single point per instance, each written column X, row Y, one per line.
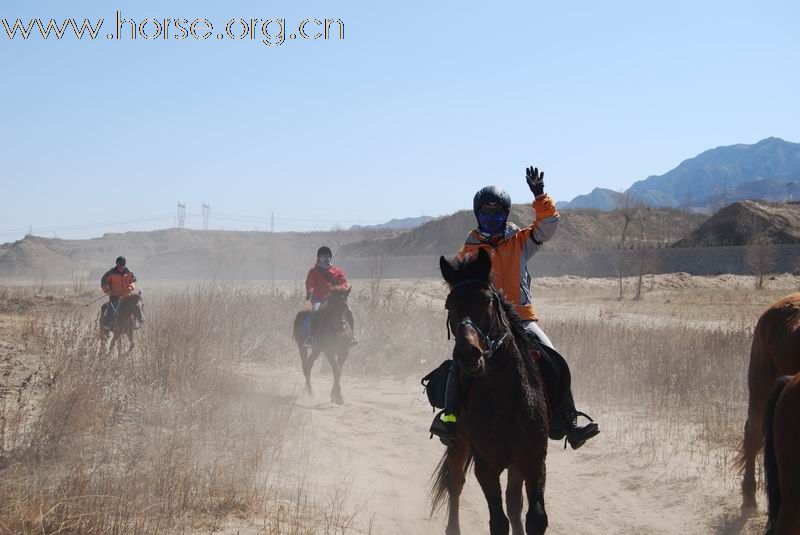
column 666, row 383
column 168, row 438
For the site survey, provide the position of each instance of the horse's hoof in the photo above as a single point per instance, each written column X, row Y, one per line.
column 337, row 399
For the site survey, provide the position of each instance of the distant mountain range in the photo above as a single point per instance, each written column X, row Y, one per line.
column 396, row 224
column 768, row 170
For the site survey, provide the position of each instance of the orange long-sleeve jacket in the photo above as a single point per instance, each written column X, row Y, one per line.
column 510, row 254
column 118, row 283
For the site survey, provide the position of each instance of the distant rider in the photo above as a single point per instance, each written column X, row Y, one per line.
column 510, row 248
column 321, row 279
column 117, row 283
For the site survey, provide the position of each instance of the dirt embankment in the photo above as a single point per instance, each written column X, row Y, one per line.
column 747, row 222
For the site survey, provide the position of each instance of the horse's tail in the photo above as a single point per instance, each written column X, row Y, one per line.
column 770, row 462
column 758, row 353
column 440, row 489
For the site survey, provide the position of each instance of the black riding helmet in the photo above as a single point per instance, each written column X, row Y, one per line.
column 491, row 195
column 121, row 261
column 324, row 251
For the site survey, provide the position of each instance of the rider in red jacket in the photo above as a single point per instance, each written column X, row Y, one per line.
column 320, row 280
column 322, row 277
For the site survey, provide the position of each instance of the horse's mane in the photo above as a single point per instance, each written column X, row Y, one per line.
column 340, row 290
column 522, row 336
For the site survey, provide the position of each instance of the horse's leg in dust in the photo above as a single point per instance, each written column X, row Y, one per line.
column 536, row 518
column 304, row 364
column 489, row 478
column 131, row 343
column 456, row 460
column 308, row 365
column 336, row 390
column 514, row 499
column 114, row 341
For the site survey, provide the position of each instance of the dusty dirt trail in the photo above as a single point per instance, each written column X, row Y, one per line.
column 376, row 449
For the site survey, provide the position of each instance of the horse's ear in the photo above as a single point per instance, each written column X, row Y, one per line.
column 448, row 271
column 482, row 265
column 347, row 292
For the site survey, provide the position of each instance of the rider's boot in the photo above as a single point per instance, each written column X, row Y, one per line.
column 577, row 435
column 445, row 424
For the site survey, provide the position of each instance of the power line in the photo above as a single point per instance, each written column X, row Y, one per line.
column 79, row 226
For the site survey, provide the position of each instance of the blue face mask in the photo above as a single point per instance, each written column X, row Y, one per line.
column 324, row 261
column 492, row 223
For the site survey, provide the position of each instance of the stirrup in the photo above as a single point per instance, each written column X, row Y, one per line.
column 575, row 426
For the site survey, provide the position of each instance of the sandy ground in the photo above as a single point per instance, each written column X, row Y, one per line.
column 376, row 449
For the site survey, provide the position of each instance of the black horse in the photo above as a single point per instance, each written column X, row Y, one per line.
column 504, row 413
column 121, row 322
column 331, row 333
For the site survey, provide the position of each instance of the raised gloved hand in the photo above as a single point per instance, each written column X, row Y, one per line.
column 535, row 180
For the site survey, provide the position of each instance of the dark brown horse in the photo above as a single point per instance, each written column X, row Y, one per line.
column 775, row 352
column 122, row 323
column 331, row 334
column 782, row 457
column 503, row 420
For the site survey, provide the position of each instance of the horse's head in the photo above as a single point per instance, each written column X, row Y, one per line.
column 129, row 303
column 336, row 312
column 473, row 308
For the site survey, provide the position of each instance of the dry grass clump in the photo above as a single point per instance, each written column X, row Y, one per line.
column 168, row 438
column 667, row 383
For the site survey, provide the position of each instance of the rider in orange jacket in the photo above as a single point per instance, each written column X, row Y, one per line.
column 510, row 248
column 117, row 283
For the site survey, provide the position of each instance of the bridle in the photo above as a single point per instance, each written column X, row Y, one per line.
column 491, row 344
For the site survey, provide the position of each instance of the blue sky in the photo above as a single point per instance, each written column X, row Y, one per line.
column 418, row 107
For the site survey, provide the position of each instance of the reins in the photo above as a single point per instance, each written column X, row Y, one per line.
column 492, row 345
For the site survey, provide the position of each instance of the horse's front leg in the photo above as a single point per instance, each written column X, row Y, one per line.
column 131, row 343
column 514, row 499
column 456, row 459
column 336, row 390
column 114, row 342
column 535, row 475
column 308, row 365
column 488, row 475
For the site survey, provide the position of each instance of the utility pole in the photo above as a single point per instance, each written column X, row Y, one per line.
column 206, row 215
column 272, row 223
column 181, row 215
column 30, row 230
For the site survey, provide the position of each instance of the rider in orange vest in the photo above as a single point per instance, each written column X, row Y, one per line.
column 510, row 248
column 117, row 283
